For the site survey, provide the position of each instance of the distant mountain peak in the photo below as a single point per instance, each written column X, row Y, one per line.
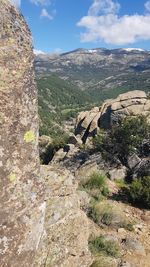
column 133, row 49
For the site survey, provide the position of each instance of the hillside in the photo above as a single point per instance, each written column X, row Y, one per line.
column 58, row 100
column 101, row 72
column 112, row 169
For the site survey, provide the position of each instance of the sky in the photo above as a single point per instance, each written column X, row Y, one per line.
column 58, row 26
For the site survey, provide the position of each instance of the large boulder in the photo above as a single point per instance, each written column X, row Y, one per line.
column 21, row 209
column 132, row 103
column 40, row 217
column 87, row 123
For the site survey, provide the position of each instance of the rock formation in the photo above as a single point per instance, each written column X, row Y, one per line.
column 66, row 229
column 40, row 217
column 20, row 209
column 132, row 103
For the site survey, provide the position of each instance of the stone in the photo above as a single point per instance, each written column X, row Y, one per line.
column 146, row 216
column 84, row 172
column 132, row 103
column 117, row 173
column 84, row 199
column 122, row 232
column 75, row 140
column 59, row 155
column 125, row 264
column 46, row 149
column 44, row 140
column 87, row 123
column 133, row 161
column 142, row 169
column 65, row 240
column 135, row 245
column 21, row 208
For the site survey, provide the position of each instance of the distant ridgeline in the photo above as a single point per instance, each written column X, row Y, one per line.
column 77, row 80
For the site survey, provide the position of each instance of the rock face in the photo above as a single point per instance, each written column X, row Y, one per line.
column 20, row 209
column 66, row 230
column 40, row 217
column 132, row 103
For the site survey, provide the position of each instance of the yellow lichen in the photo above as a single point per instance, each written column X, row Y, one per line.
column 12, row 177
column 29, row 137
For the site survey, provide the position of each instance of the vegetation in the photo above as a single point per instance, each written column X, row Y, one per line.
column 59, row 100
column 125, row 138
column 139, row 192
column 95, row 186
column 104, row 214
column 58, row 142
column 101, row 245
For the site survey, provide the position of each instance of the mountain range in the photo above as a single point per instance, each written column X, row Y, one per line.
column 74, row 80
column 101, row 72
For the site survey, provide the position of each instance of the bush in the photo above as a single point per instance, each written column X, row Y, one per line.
column 101, row 245
column 103, row 261
column 99, row 140
column 103, row 213
column 125, row 138
column 130, row 134
column 95, row 186
column 96, row 180
column 139, row 192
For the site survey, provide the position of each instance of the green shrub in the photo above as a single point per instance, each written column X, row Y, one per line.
column 96, row 180
column 95, row 186
column 124, row 138
column 99, row 139
column 121, row 183
column 104, row 214
column 101, row 245
column 129, row 135
column 103, row 262
column 139, row 191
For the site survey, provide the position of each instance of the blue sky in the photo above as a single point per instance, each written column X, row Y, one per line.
column 64, row 25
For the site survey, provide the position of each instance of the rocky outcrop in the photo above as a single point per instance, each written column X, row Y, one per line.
column 132, row 103
column 40, row 217
column 66, row 231
column 20, row 204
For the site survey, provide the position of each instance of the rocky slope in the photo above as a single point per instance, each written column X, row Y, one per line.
column 101, row 72
column 111, row 217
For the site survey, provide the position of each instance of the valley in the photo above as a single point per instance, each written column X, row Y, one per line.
column 77, row 80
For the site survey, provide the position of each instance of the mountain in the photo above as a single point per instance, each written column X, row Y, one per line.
column 101, row 72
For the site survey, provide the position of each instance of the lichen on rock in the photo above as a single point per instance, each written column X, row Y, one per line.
column 19, row 158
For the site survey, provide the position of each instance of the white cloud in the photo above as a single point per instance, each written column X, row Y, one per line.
column 147, row 6
column 38, row 52
column 16, row 3
column 41, row 2
column 103, row 6
column 45, row 14
column 102, row 23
